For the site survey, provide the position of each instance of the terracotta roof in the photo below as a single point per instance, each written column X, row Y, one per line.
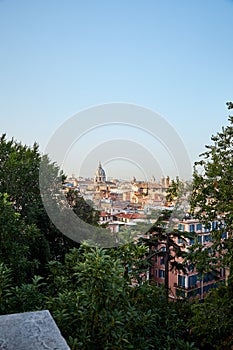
column 128, row 215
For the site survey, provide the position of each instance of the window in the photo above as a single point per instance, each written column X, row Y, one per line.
column 181, row 240
column 209, row 276
column 161, row 273
column 181, row 281
column 206, row 238
column 214, row 225
column 199, row 239
column 224, row 235
column 191, row 228
column 162, row 260
column 192, row 280
column 199, row 227
column 181, row 227
column 191, row 241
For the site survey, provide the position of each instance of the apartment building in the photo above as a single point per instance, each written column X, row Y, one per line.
column 190, row 284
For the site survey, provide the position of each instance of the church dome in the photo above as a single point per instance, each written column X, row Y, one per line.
column 100, row 175
column 100, row 171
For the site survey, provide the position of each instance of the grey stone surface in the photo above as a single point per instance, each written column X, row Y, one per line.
column 30, row 331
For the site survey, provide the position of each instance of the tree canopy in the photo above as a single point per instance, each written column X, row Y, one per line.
column 19, row 179
column 212, row 198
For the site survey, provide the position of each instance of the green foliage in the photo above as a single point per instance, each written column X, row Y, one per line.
column 132, row 258
column 82, row 209
column 5, row 285
column 174, row 190
column 20, row 167
column 213, row 193
column 162, row 242
column 23, row 248
column 211, row 323
column 96, row 307
column 92, row 311
column 19, row 177
column 27, row 296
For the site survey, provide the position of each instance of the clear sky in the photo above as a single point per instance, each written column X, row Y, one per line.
column 59, row 57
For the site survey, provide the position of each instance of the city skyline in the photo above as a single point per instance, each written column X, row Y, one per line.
column 129, row 178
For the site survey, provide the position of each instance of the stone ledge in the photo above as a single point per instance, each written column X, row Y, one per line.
column 30, row 331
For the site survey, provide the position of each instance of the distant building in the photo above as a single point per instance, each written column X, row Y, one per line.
column 71, row 184
column 103, row 187
column 149, row 192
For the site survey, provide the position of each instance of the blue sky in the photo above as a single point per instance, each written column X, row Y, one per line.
column 59, row 57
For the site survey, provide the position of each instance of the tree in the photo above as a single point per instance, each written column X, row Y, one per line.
column 82, row 208
column 173, row 190
column 20, row 168
column 96, row 306
column 132, row 258
column 211, row 322
column 19, row 177
column 212, row 202
column 212, row 198
column 162, row 243
column 23, row 248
